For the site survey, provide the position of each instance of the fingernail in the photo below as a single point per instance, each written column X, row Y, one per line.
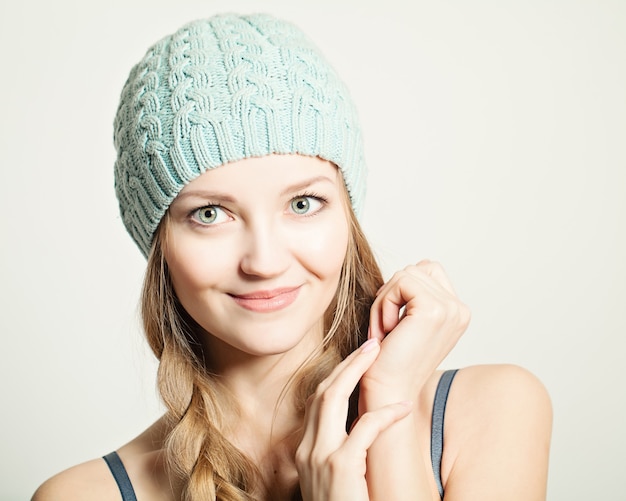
column 369, row 345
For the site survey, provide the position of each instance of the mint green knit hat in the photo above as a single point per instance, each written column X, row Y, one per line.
column 220, row 90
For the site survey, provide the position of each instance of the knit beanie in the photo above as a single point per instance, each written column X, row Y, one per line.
column 221, row 90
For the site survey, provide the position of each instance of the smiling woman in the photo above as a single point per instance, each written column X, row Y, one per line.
column 289, row 369
column 275, row 237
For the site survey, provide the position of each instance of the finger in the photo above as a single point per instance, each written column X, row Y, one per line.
column 444, row 291
column 371, row 425
column 422, row 285
column 341, row 366
column 327, row 409
column 429, row 272
column 437, row 273
column 337, row 390
column 313, row 404
column 403, row 287
column 375, row 328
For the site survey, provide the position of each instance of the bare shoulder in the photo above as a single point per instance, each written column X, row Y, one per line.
column 504, row 398
column 93, row 481
column 497, row 435
column 499, row 388
column 90, row 481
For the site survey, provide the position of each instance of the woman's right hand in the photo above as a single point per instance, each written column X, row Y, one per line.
column 331, row 463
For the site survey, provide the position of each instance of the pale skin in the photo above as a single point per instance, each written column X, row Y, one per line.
column 278, row 223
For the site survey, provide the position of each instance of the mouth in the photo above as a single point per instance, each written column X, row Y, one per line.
column 266, row 301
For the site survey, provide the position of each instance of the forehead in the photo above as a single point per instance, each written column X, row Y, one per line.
column 271, row 172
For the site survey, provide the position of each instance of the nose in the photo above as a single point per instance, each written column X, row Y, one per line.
column 265, row 251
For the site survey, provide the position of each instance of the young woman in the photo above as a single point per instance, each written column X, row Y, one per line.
column 288, row 368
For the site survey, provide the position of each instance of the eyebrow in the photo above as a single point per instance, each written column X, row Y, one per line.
column 205, row 194
column 217, row 195
column 305, row 184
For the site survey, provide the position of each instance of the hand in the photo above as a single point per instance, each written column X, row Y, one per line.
column 413, row 341
column 331, row 464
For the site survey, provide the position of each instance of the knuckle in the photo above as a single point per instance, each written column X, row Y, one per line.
column 336, row 462
column 329, row 395
column 309, row 401
column 310, row 459
column 301, row 457
column 322, row 398
column 320, row 391
column 403, row 278
column 437, row 313
column 424, row 264
column 411, row 270
column 432, row 268
column 321, row 387
column 435, row 265
column 397, row 276
column 465, row 314
column 317, row 394
column 317, row 459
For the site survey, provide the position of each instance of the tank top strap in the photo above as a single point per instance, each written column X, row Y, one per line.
column 121, row 476
column 436, row 442
column 436, row 436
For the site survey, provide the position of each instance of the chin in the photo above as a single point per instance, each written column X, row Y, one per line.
column 266, row 340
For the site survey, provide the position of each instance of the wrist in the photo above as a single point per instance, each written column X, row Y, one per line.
column 375, row 394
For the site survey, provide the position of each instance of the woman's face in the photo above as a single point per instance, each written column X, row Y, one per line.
column 255, row 249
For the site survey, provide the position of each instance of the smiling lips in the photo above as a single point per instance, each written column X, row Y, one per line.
column 267, row 301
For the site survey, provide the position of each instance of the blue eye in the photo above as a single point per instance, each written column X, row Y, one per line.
column 211, row 214
column 305, row 204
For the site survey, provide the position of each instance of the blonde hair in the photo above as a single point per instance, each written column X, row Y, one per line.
column 210, row 466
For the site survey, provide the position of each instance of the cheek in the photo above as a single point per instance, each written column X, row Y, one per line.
column 326, row 247
column 193, row 264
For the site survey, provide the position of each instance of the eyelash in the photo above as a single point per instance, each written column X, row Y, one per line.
column 315, row 196
column 307, row 194
column 311, row 194
column 190, row 215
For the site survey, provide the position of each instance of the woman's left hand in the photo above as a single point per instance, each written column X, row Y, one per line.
column 331, row 464
column 415, row 340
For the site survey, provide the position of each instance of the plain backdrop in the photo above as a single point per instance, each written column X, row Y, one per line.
column 495, row 134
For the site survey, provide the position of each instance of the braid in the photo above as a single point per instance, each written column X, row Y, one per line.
column 197, row 451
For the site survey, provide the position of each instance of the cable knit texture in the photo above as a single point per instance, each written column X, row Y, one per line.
column 220, row 90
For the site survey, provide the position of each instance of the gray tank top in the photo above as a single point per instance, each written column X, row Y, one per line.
column 436, row 442
column 436, row 430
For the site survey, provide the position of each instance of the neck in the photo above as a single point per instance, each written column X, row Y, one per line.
column 261, row 386
column 266, row 421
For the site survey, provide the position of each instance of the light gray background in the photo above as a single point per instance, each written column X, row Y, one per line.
column 495, row 135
